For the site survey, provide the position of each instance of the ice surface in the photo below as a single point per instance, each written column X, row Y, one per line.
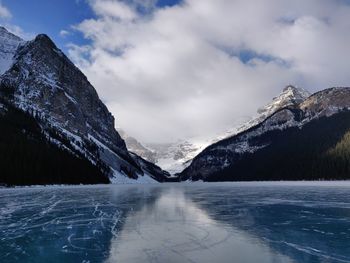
column 231, row 222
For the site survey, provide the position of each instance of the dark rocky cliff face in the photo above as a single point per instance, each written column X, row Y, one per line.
column 294, row 143
column 28, row 158
column 43, row 81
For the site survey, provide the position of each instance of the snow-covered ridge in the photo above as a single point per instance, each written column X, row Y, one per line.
column 135, row 146
column 289, row 97
column 41, row 80
column 297, row 113
column 176, row 156
column 8, row 46
column 326, row 102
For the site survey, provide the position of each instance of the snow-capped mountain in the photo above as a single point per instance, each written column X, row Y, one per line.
column 40, row 79
column 175, row 157
column 138, row 148
column 172, row 157
column 8, row 46
column 299, row 140
column 290, row 96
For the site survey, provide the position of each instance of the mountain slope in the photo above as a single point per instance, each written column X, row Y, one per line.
column 175, row 157
column 8, row 46
column 296, row 142
column 28, row 158
column 43, row 81
column 135, row 146
column 289, row 97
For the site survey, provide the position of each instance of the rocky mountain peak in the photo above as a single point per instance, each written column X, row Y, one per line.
column 326, row 102
column 43, row 81
column 283, row 139
column 136, row 147
column 44, row 41
column 5, row 33
column 290, row 96
column 8, row 46
column 175, row 157
column 297, row 93
column 44, row 37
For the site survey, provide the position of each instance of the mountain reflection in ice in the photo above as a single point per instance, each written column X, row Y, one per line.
column 259, row 222
column 173, row 229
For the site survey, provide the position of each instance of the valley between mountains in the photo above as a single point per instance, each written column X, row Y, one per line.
column 56, row 130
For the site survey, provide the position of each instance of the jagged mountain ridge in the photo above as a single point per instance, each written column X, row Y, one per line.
column 59, row 87
column 290, row 96
column 135, row 146
column 171, row 157
column 8, row 47
column 174, row 157
column 43, row 81
column 262, row 143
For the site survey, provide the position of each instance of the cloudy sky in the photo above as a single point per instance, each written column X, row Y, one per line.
column 177, row 69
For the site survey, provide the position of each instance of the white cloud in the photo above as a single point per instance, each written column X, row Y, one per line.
column 175, row 72
column 5, row 19
column 4, row 12
column 64, row 33
column 112, row 9
column 18, row 31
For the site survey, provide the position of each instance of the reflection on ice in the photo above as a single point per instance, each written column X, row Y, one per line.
column 174, row 229
column 176, row 223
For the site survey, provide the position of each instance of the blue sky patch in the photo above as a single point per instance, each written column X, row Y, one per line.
column 52, row 16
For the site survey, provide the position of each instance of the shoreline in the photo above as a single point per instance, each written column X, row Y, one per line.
column 345, row 183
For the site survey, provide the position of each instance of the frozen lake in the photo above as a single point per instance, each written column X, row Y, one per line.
column 205, row 223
